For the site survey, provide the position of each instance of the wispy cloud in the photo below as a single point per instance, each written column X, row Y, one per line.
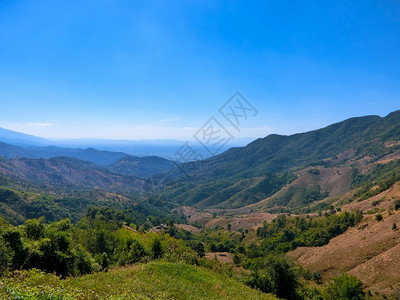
column 38, row 124
column 169, row 120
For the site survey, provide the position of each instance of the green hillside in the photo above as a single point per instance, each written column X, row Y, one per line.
column 140, row 166
column 156, row 280
column 242, row 176
column 66, row 173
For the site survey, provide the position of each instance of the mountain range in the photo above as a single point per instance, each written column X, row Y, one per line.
column 245, row 175
column 37, row 147
column 273, row 172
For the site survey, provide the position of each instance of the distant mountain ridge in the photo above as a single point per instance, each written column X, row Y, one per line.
column 162, row 147
column 67, row 173
column 18, row 138
column 98, row 157
column 117, row 162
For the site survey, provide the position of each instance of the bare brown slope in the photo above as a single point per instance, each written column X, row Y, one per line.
column 370, row 252
column 384, row 200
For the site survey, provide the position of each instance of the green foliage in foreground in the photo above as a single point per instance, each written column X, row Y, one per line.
column 97, row 242
column 345, row 287
column 101, row 241
column 274, row 275
column 156, row 280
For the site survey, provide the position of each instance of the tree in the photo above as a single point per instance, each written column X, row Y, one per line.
column 236, row 259
column 156, row 247
column 198, row 247
column 379, row 217
column 83, row 261
column 229, row 226
column 13, row 240
column 345, row 287
column 34, row 228
column 274, row 274
column 5, row 256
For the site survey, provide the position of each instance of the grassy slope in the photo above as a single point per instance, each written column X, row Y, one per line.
column 156, row 280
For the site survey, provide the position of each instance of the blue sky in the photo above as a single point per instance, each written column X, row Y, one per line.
column 161, row 69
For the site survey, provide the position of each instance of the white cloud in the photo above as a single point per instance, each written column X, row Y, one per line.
column 37, row 124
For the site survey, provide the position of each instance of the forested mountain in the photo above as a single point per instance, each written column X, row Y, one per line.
column 141, row 166
column 66, row 173
column 242, row 176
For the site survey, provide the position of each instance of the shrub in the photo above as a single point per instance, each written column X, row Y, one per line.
column 379, row 217
column 345, row 287
column 236, row 259
column 13, row 240
column 316, row 276
column 274, row 274
column 34, row 228
column 5, row 256
column 84, row 263
column 314, row 171
column 156, row 247
column 198, row 247
column 174, row 250
column 376, row 202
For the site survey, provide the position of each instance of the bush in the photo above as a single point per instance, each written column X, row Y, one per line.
column 84, row 263
column 5, row 256
column 345, row 287
column 316, row 276
column 236, row 259
column 379, row 217
column 274, row 274
column 198, row 247
column 376, row 202
column 13, row 240
column 156, row 247
column 34, row 229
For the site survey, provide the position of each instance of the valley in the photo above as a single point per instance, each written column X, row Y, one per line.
column 316, row 205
